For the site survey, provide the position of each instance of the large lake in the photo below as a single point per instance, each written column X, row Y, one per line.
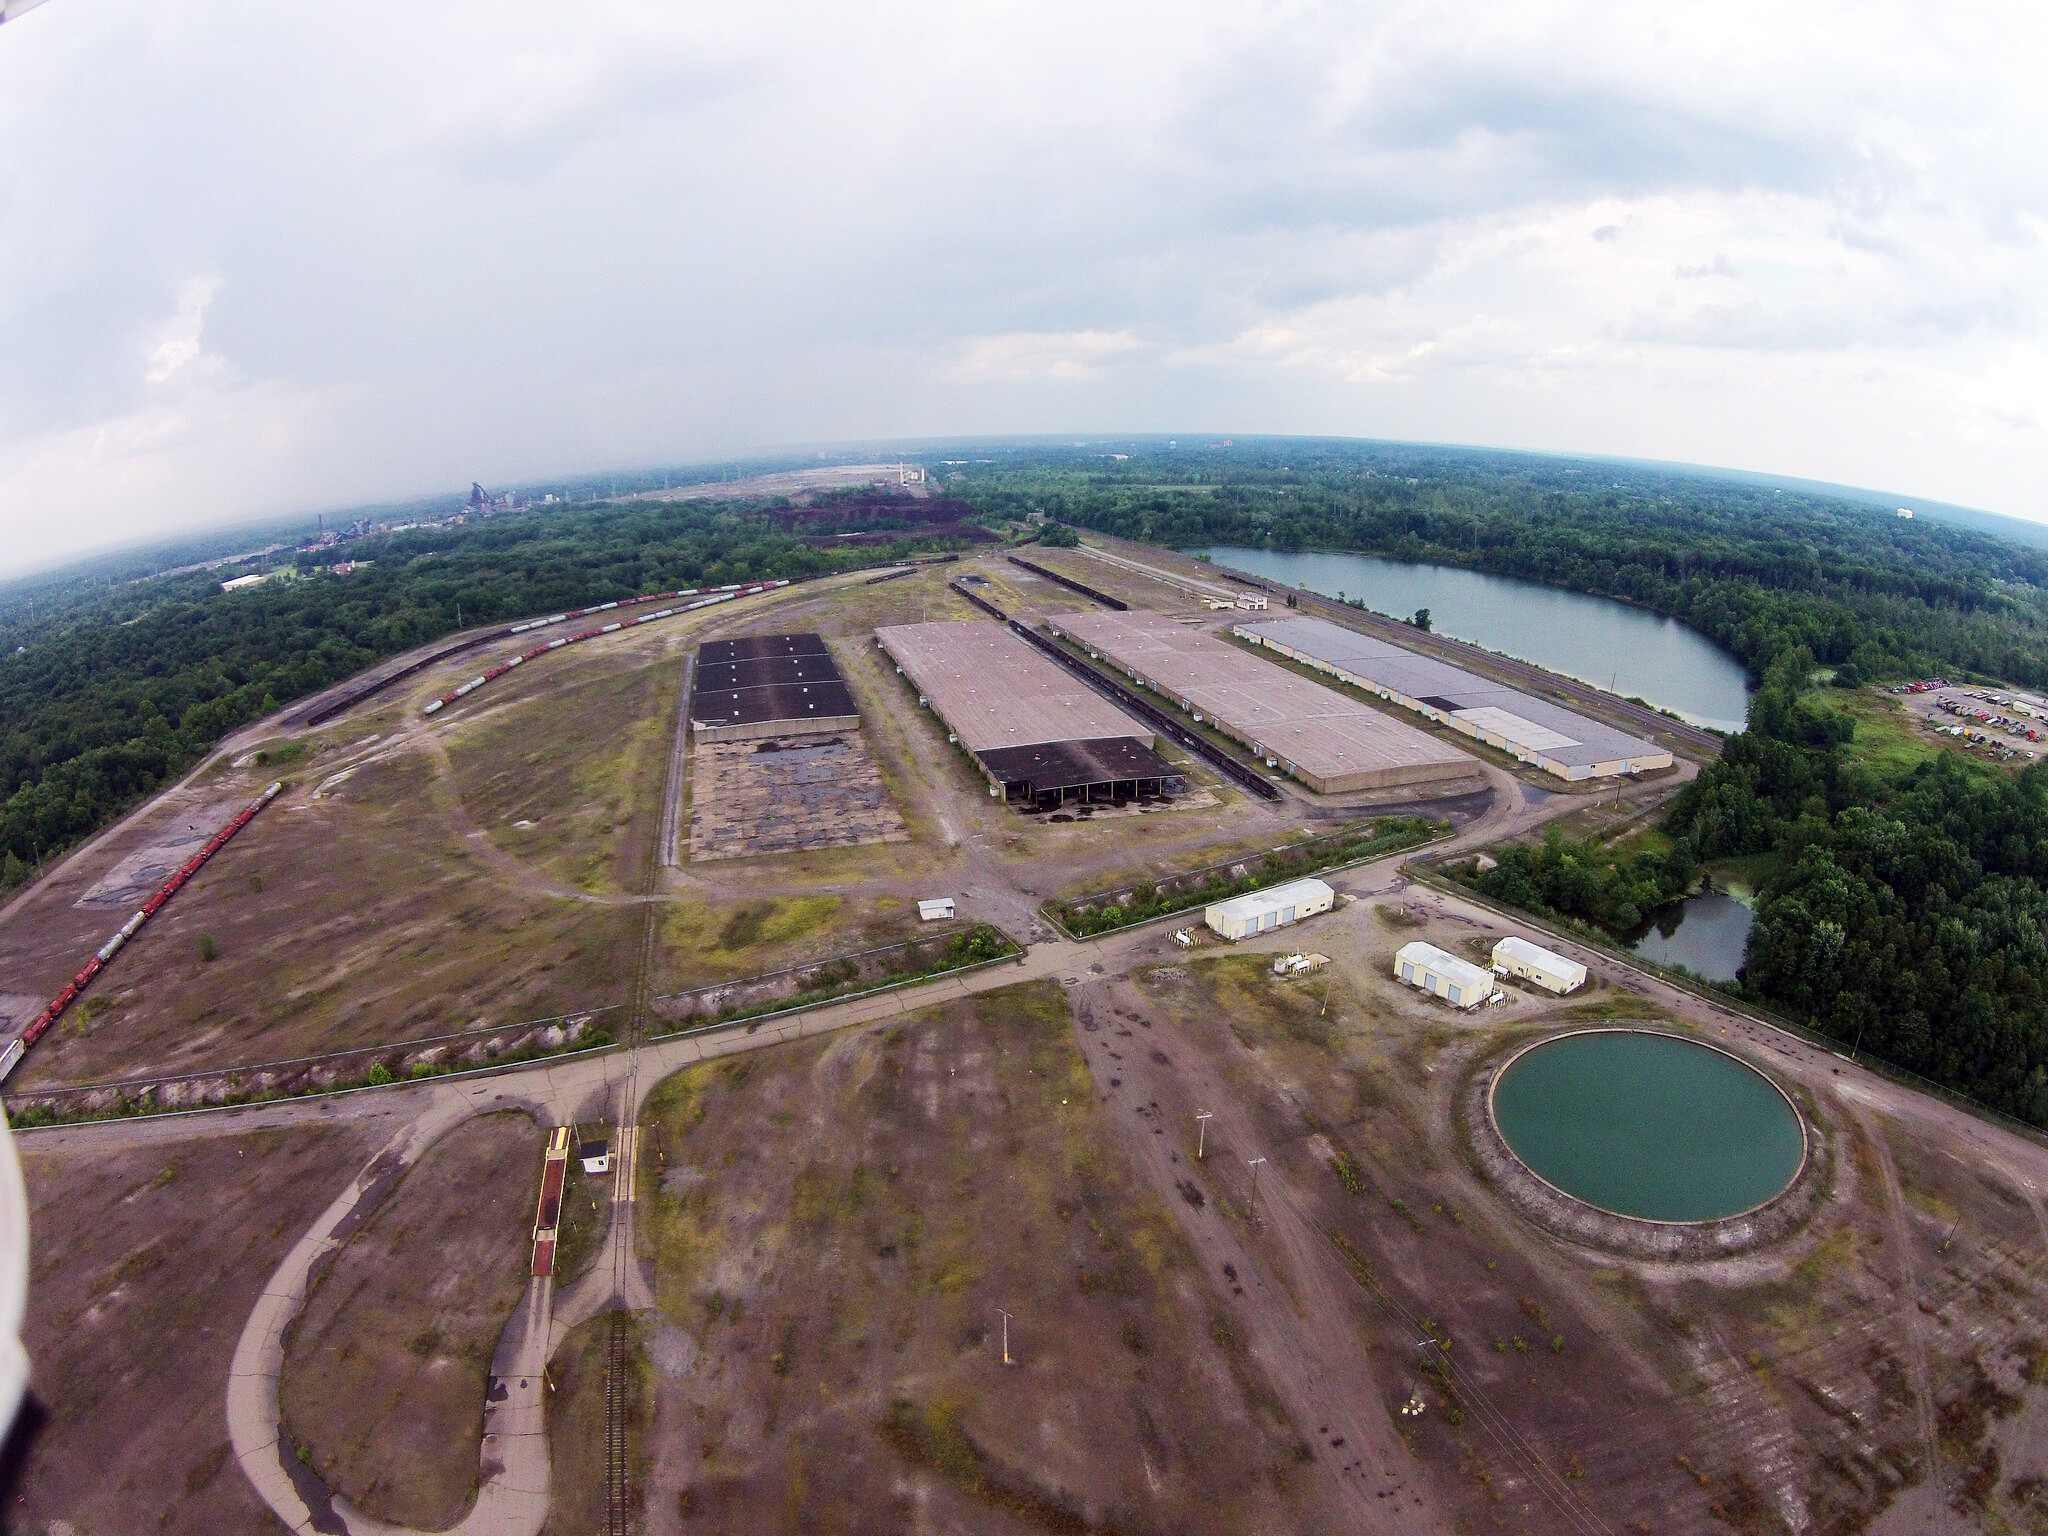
column 1593, row 639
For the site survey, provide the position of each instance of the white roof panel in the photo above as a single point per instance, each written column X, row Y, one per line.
column 1527, row 733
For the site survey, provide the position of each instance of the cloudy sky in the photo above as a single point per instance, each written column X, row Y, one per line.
column 261, row 258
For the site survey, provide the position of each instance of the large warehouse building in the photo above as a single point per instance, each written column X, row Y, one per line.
column 1040, row 734
column 1331, row 743
column 769, row 685
column 1532, row 730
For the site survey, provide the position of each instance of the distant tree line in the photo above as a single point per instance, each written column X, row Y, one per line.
column 1760, row 571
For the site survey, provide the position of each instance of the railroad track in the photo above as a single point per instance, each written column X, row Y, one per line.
column 617, row 1387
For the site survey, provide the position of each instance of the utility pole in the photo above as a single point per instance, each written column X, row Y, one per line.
column 1255, row 1187
column 1006, row 1336
column 1201, row 1132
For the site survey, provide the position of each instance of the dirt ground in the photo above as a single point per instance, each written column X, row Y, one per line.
column 789, row 795
column 569, row 778
column 359, row 917
column 146, row 1263
column 486, row 866
column 1855, row 1378
column 384, row 1371
column 834, row 1228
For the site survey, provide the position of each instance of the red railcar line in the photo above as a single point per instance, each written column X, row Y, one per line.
column 547, row 1219
column 54, row 1010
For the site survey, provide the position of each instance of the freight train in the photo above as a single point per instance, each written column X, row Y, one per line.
column 54, row 1010
column 705, row 598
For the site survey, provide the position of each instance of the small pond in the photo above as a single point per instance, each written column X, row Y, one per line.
column 1706, row 934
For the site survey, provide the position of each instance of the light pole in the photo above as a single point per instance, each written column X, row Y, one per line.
column 1201, row 1132
column 1006, row 1336
column 1255, row 1187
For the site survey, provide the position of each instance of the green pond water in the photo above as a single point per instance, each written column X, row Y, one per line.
column 1648, row 1125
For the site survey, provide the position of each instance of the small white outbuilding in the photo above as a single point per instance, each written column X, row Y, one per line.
column 1244, row 917
column 1458, row 982
column 1530, row 962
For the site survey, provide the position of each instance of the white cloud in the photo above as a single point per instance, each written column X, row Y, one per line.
column 181, row 354
column 1041, row 354
column 264, row 257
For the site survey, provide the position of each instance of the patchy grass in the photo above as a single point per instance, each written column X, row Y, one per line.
column 586, row 1215
column 570, row 779
column 375, row 921
column 146, row 1262
column 1887, row 735
column 384, row 1370
column 705, row 941
column 576, row 1425
column 836, row 1222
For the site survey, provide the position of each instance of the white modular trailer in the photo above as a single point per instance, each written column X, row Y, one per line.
column 1531, row 962
column 1458, row 982
column 1244, row 917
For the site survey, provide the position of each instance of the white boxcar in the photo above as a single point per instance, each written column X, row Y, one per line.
column 1458, row 982
column 1518, row 957
column 1244, row 917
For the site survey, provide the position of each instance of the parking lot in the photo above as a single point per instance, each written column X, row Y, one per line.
column 1994, row 723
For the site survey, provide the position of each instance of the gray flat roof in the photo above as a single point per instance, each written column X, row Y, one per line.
column 993, row 690
column 1561, row 734
column 1316, row 728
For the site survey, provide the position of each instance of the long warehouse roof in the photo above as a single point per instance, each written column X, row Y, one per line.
column 1561, row 734
column 993, row 690
column 1317, row 728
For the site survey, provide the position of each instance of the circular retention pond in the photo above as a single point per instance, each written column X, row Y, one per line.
column 1648, row 1125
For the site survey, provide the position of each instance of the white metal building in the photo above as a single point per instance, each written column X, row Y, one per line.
column 1243, row 917
column 1458, row 982
column 1531, row 962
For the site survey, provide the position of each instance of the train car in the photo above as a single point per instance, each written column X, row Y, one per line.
column 55, row 1008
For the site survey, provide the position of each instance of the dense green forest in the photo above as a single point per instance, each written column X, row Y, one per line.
column 110, row 690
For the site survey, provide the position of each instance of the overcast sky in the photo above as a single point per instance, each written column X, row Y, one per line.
column 262, row 258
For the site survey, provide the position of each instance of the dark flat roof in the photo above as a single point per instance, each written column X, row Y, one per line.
column 750, row 647
column 772, row 701
column 1051, row 765
column 761, row 671
column 757, row 678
